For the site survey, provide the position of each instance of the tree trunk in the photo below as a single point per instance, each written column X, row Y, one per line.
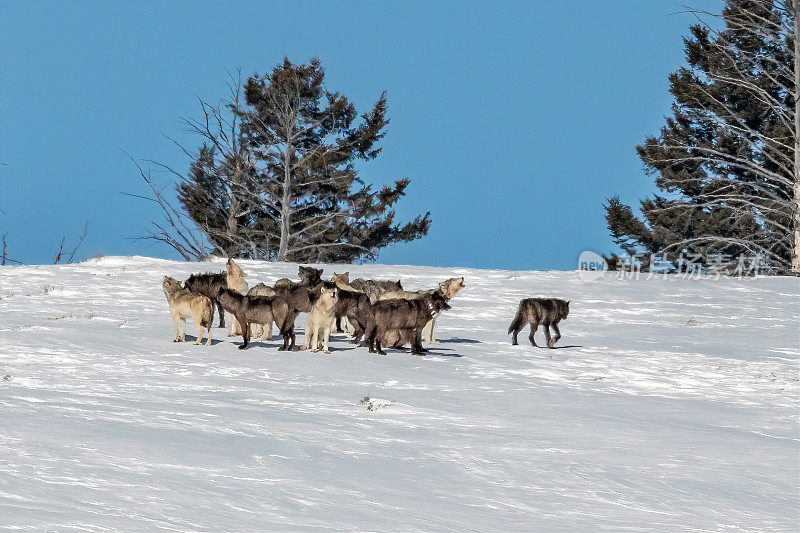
column 796, row 185
column 283, row 247
column 232, row 226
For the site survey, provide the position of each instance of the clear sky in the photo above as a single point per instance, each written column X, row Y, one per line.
column 514, row 120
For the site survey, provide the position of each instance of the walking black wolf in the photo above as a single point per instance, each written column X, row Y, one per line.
column 535, row 311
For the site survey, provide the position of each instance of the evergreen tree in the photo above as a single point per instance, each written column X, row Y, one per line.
column 276, row 176
column 307, row 141
column 725, row 160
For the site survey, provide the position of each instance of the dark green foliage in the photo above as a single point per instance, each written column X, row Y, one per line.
column 282, row 183
column 724, row 159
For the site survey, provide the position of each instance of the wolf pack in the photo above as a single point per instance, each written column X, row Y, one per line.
column 377, row 314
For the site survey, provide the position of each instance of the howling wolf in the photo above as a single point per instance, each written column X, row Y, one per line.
column 545, row 311
column 235, row 282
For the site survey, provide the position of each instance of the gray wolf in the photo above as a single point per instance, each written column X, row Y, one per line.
column 207, row 285
column 400, row 314
column 535, row 311
column 300, row 296
column 183, row 303
column 235, row 280
column 342, row 281
column 320, row 319
column 375, row 287
column 356, row 307
column 448, row 288
column 259, row 310
column 308, row 275
column 263, row 332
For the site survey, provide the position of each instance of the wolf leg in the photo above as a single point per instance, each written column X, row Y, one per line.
column 246, row 330
column 556, row 338
column 314, row 338
column 547, row 335
column 534, row 327
column 378, row 346
column 183, row 329
column 176, row 322
column 199, row 334
column 427, row 332
column 326, row 335
column 221, row 314
column 307, row 335
column 208, row 330
column 416, row 344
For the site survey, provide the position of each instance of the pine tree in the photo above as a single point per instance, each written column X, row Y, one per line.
column 725, row 160
column 313, row 206
column 276, row 176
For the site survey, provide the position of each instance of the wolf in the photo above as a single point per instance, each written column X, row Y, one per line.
column 259, row 310
column 263, row 332
column 396, row 338
column 298, row 294
column 448, row 288
column 320, row 319
column 207, row 285
column 355, row 306
column 375, row 288
column 535, row 311
column 236, row 282
column 401, row 314
column 342, row 282
column 184, row 303
column 307, row 274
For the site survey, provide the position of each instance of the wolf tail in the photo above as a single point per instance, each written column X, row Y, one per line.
column 519, row 319
column 208, row 313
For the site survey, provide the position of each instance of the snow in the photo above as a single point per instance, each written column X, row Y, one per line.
column 671, row 404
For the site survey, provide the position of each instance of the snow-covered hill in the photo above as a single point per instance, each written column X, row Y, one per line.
column 671, row 405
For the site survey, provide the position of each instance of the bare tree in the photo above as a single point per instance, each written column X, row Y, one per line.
column 61, row 254
column 222, row 157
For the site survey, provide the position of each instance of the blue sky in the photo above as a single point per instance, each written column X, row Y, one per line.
column 514, row 120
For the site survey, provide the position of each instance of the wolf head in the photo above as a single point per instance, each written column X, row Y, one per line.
column 451, row 287
column 310, row 275
column 328, row 295
column 170, row 286
column 439, row 302
column 190, row 283
column 341, row 279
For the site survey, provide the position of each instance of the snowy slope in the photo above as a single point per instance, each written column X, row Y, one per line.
column 671, row 405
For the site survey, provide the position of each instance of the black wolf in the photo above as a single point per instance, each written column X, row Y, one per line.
column 300, row 296
column 259, row 310
column 308, row 276
column 356, row 307
column 207, row 285
column 535, row 311
column 403, row 314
